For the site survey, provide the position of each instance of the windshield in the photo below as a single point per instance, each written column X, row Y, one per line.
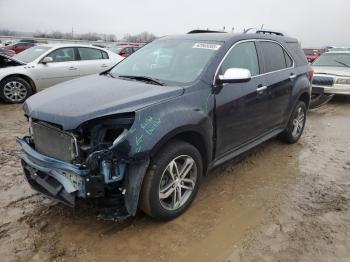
column 335, row 60
column 31, row 54
column 173, row 62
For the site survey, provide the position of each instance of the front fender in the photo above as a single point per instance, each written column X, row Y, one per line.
column 153, row 126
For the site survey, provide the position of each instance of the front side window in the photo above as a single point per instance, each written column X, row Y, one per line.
column 243, row 55
column 274, row 56
column 173, row 61
column 63, row 55
column 90, row 53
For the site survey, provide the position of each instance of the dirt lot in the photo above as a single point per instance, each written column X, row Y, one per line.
column 277, row 203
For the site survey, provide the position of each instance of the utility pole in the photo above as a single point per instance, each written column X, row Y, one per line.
column 72, row 33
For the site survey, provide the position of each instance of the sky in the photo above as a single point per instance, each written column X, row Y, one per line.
column 314, row 23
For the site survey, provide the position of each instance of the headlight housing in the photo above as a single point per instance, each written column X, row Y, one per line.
column 342, row 81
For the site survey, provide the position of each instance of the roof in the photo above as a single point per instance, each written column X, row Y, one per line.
column 228, row 37
column 66, row 45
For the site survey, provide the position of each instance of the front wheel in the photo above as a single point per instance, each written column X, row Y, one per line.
column 15, row 90
column 172, row 181
column 295, row 125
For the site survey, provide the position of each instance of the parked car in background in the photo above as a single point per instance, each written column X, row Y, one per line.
column 7, row 52
column 43, row 66
column 124, row 50
column 145, row 133
column 313, row 53
column 332, row 77
column 19, row 47
column 33, row 41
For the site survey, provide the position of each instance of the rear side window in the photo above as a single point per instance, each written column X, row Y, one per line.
column 274, row 56
column 243, row 55
column 289, row 60
column 295, row 50
column 91, row 54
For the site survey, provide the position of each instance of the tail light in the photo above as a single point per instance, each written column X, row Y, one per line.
column 312, row 71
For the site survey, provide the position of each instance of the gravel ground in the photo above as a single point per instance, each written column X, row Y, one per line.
column 276, row 203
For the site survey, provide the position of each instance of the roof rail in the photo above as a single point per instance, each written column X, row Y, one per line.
column 263, row 31
column 199, row 31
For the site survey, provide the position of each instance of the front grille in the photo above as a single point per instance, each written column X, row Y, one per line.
column 323, row 80
column 53, row 142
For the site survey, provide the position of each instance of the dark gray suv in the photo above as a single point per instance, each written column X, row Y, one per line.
column 143, row 134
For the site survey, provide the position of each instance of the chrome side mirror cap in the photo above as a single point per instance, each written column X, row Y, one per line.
column 235, row 75
column 47, row 59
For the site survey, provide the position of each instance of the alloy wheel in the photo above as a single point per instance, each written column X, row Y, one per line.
column 15, row 91
column 177, row 182
column 298, row 122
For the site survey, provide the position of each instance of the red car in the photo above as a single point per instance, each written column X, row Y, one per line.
column 19, row 47
column 124, row 50
column 7, row 52
column 313, row 53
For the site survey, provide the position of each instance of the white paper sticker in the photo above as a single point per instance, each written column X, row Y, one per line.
column 206, row 46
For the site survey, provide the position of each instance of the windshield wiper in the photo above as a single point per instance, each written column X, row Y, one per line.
column 342, row 63
column 109, row 74
column 144, row 79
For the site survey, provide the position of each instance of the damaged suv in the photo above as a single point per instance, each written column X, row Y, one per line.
column 143, row 134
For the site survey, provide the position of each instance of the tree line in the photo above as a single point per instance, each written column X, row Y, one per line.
column 144, row 37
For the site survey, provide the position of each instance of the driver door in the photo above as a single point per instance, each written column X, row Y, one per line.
column 241, row 108
column 64, row 67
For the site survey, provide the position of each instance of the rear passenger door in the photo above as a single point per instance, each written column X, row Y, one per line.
column 279, row 69
column 92, row 61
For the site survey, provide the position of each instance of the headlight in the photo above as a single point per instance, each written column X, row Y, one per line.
column 343, row 81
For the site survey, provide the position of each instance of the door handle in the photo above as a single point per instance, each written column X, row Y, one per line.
column 292, row 76
column 261, row 89
column 72, row 68
column 104, row 65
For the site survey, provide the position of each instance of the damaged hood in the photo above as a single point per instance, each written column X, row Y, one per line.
column 71, row 103
column 7, row 62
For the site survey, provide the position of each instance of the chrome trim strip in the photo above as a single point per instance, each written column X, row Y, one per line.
column 254, row 40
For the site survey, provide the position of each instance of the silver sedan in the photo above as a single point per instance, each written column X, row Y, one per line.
column 43, row 66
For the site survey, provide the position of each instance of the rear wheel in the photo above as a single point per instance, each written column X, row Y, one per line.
column 15, row 90
column 172, row 181
column 295, row 125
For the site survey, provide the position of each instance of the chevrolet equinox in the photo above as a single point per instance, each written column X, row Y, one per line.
column 144, row 133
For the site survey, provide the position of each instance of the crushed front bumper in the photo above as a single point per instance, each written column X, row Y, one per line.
column 65, row 182
column 332, row 90
column 54, row 178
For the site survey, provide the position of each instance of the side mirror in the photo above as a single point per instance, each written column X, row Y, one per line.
column 235, row 75
column 47, row 59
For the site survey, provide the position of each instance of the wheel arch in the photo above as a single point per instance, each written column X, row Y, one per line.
column 191, row 136
column 305, row 97
column 25, row 77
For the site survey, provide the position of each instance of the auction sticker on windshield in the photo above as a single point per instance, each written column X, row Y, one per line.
column 206, row 46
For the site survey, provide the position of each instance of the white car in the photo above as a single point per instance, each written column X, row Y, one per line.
column 332, row 77
column 43, row 66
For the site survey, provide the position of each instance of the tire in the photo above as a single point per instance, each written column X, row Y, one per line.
column 318, row 100
column 295, row 125
column 164, row 205
column 15, row 90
